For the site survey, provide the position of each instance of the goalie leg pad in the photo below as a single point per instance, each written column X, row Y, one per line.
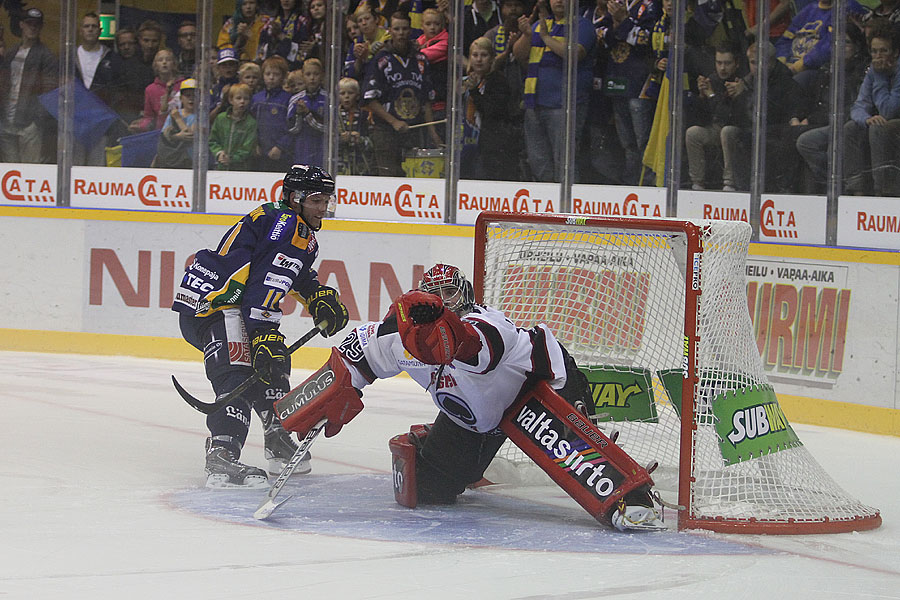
column 403, row 469
column 326, row 394
column 580, row 458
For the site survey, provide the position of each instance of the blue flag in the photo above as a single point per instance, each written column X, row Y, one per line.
column 92, row 116
column 140, row 149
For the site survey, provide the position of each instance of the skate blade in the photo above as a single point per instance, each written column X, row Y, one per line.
column 221, row 482
column 266, row 509
column 304, row 467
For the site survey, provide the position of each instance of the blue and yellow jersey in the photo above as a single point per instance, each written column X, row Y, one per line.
column 265, row 255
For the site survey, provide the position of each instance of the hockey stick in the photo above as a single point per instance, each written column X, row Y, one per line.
column 207, row 408
column 268, row 506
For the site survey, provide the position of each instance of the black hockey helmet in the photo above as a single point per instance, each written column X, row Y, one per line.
column 304, row 180
column 451, row 285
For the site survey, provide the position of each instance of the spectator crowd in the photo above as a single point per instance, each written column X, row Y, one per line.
column 268, row 104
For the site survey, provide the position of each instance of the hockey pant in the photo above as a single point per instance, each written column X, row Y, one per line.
column 222, row 337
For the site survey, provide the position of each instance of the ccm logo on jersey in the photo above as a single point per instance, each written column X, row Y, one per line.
column 570, row 453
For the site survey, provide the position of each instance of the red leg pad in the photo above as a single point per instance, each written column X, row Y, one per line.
column 580, row 458
column 403, row 469
column 326, row 394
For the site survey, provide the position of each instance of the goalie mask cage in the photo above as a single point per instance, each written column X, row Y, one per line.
column 655, row 312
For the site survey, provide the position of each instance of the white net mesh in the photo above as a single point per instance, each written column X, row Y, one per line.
column 615, row 297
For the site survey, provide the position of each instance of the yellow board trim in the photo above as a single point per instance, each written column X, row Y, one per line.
column 844, row 415
column 107, row 344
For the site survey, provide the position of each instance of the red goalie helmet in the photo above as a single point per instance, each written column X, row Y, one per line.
column 451, row 285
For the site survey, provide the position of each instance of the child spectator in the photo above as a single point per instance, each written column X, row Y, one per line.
column 158, row 93
column 250, row 74
column 177, row 139
column 433, row 44
column 226, row 71
column 232, row 138
column 293, row 83
column 283, row 34
column 242, row 30
column 370, row 42
column 269, row 108
column 355, row 145
column 307, row 115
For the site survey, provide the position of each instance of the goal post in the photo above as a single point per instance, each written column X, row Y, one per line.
column 655, row 313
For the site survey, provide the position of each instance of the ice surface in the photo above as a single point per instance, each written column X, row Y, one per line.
column 102, row 497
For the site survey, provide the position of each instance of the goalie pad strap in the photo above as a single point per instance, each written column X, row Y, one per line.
column 326, row 394
column 580, row 458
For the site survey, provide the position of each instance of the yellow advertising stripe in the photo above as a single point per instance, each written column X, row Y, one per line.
column 843, row 415
column 430, row 229
column 76, row 342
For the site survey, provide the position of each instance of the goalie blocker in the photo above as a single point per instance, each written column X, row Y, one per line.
column 580, row 458
column 326, row 394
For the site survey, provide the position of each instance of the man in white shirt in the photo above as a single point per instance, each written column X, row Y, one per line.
column 102, row 72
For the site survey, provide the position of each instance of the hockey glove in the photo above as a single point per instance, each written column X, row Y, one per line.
column 269, row 355
column 431, row 333
column 324, row 305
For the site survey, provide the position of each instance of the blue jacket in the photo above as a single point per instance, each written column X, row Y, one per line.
column 879, row 94
column 270, row 109
column 265, row 255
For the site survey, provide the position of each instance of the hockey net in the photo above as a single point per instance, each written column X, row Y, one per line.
column 655, row 312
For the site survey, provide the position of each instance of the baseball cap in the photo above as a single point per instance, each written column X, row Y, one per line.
column 33, row 14
column 226, row 54
column 188, row 84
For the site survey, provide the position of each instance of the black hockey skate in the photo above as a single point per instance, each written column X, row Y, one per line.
column 280, row 447
column 224, row 471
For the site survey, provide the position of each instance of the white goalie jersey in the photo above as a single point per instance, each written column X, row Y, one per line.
column 476, row 393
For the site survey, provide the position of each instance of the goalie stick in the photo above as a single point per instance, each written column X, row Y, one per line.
column 207, row 408
column 268, row 506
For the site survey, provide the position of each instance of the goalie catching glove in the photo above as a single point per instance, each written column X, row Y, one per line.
column 269, row 355
column 432, row 333
column 325, row 307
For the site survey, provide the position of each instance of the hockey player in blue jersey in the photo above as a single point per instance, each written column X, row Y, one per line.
column 228, row 303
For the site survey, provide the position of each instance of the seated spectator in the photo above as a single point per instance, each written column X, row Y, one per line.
column 250, row 75
column 293, row 83
column 186, row 56
column 27, row 70
column 487, row 107
column 226, row 74
column 813, row 134
column 433, row 44
column 283, row 34
column 351, row 33
column 242, row 30
column 806, row 43
column 270, row 107
column 232, row 138
column 159, row 93
column 783, row 93
column 715, row 108
column 371, row 40
column 887, row 11
column 306, row 115
column 354, row 146
column 397, row 90
column 176, row 141
column 874, row 123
